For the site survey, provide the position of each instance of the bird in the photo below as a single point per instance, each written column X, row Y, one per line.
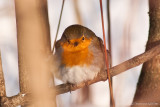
column 79, row 55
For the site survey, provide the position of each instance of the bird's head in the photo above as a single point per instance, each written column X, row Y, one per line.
column 76, row 38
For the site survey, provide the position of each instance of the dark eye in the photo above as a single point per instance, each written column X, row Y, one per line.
column 68, row 41
column 83, row 38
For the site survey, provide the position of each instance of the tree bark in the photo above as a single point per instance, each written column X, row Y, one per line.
column 2, row 84
column 148, row 87
column 34, row 50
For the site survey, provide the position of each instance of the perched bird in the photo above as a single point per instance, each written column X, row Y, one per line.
column 79, row 55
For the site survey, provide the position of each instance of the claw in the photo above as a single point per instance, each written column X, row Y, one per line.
column 70, row 87
column 86, row 83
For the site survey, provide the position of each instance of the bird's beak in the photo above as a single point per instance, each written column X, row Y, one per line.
column 75, row 43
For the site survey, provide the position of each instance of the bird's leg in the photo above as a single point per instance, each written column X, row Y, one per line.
column 70, row 86
column 86, row 83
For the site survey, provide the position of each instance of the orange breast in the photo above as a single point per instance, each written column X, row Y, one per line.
column 77, row 58
column 77, row 55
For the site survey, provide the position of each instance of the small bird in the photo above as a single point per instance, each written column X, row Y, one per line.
column 79, row 55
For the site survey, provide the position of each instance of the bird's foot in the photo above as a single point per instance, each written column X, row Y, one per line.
column 70, row 86
column 86, row 83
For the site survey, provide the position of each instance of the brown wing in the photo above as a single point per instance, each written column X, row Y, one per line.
column 102, row 48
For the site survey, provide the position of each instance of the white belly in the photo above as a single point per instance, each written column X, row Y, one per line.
column 78, row 74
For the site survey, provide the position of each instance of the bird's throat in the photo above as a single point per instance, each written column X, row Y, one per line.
column 82, row 57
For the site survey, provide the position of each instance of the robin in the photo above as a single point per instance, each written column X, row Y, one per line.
column 79, row 55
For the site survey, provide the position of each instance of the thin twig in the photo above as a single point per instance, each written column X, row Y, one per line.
column 107, row 64
column 58, row 25
column 78, row 15
column 109, row 31
column 109, row 39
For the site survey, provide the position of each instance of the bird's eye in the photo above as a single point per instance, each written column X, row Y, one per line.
column 83, row 38
column 68, row 41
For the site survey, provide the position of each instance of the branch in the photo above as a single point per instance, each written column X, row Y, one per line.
column 133, row 62
column 2, row 82
column 22, row 99
column 14, row 101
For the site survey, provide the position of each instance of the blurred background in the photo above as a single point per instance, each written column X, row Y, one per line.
column 129, row 31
